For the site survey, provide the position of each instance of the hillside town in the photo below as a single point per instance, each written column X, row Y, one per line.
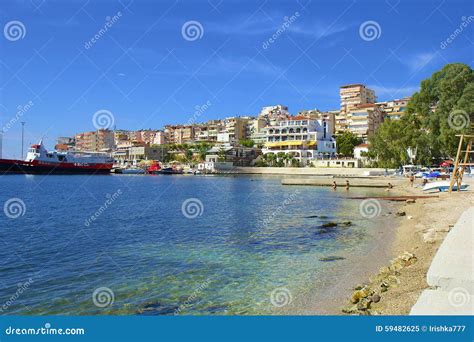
column 274, row 137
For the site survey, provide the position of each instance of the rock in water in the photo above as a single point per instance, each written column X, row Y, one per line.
column 331, row 258
column 346, row 223
column 329, row 225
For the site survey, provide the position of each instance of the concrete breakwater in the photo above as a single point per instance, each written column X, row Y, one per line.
column 356, row 183
column 451, row 275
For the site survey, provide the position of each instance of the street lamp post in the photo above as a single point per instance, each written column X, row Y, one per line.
column 22, row 138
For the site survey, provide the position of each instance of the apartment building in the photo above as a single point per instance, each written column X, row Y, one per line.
column 394, row 109
column 95, row 141
column 64, row 144
column 351, row 95
column 179, row 134
column 235, row 129
column 255, row 130
column 315, row 114
column 364, row 119
column 301, row 138
column 275, row 113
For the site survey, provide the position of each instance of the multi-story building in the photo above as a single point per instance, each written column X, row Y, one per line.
column 274, row 114
column 95, row 141
column 364, row 119
column 301, row 138
column 179, row 134
column 235, row 129
column 255, row 130
column 65, row 144
column 315, row 114
column 208, row 131
column 394, row 109
column 351, row 96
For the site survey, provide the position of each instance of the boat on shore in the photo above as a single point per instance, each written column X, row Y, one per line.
column 443, row 186
column 40, row 161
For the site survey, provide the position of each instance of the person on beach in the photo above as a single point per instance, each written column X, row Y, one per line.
column 347, row 184
column 334, row 185
column 390, row 186
column 412, row 180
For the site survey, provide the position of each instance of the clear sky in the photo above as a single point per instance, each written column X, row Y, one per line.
column 148, row 70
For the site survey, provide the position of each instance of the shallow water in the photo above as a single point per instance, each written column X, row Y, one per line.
column 174, row 244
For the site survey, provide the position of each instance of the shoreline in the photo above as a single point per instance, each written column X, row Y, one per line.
column 417, row 238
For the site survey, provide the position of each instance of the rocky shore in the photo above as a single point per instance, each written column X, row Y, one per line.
column 397, row 286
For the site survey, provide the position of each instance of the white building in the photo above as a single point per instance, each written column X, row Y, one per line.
column 302, row 138
column 359, row 150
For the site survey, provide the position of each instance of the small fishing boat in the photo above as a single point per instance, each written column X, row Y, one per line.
column 132, row 171
column 443, row 186
column 169, row 171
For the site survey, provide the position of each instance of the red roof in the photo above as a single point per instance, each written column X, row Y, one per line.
column 299, row 117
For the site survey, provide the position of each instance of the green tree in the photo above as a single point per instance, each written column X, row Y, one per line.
column 442, row 108
column 346, row 142
column 246, row 142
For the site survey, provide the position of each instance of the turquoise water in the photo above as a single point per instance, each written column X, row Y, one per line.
column 250, row 237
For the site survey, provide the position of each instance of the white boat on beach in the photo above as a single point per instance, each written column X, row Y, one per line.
column 443, row 186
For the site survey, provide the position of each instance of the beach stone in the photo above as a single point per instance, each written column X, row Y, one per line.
column 401, row 213
column 359, row 287
column 350, row 309
column 362, row 293
column 329, row 225
column 375, row 298
column 364, row 304
column 410, row 201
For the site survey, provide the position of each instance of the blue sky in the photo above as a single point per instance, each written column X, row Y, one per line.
column 144, row 71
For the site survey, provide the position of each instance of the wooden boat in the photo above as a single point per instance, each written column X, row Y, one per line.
column 443, row 186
